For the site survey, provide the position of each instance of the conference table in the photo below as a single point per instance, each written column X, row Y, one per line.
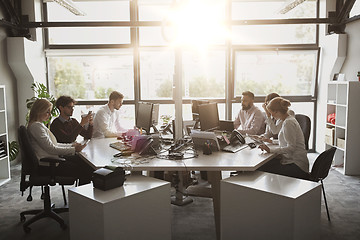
column 98, row 154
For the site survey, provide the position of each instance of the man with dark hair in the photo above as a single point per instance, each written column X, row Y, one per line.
column 107, row 119
column 250, row 118
column 65, row 128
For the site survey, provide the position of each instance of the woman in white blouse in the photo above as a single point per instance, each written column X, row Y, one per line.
column 292, row 160
column 273, row 126
column 45, row 145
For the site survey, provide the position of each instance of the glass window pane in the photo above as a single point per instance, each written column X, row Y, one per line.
column 274, row 34
column 153, row 10
column 94, row 11
column 91, row 77
column 151, row 36
column 166, row 110
column 156, row 74
column 355, row 9
column 89, row 35
column 204, row 74
column 283, row 72
column 266, row 9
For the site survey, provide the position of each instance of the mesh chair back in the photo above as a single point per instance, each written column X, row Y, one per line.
column 305, row 124
column 322, row 165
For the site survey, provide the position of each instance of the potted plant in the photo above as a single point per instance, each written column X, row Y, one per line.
column 41, row 91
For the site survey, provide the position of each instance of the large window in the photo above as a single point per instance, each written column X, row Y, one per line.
column 136, row 46
column 91, row 77
column 283, row 72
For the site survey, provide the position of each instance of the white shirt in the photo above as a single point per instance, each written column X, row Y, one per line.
column 251, row 121
column 107, row 123
column 273, row 126
column 45, row 144
column 292, row 144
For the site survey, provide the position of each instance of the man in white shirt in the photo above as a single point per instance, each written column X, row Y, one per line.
column 107, row 119
column 250, row 118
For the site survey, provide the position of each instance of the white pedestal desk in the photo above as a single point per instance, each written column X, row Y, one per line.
column 259, row 205
column 140, row 209
column 98, row 153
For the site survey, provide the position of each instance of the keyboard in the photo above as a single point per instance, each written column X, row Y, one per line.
column 234, row 148
column 120, row 146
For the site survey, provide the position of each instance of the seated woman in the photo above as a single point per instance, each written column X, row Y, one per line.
column 45, row 145
column 273, row 126
column 292, row 160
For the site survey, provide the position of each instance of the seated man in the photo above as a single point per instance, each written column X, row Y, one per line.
column 65, row 128
column 107, row 119
column 250, row 118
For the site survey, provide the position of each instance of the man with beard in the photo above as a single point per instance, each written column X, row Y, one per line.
column 65, row 128
column 250, row 118
column 107, row 118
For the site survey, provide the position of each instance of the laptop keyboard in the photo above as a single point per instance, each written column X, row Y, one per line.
column 234, row 148
column 120, row 146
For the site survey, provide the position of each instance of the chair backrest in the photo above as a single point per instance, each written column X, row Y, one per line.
column 29, row 161
column 305, row 124
column 322, row 165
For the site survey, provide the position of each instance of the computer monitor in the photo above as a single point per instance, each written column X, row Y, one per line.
column 209, row 117
column 144, row 116
column 155, row 114
column 195, row 107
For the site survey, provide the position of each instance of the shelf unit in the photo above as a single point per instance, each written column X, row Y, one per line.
column 343, row 99
column 4, row 160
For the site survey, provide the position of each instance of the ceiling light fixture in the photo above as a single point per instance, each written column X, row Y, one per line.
column 292, row 4
column 69, row 5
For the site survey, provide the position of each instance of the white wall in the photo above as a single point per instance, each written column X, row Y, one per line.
column 333, row 48
column 7, row 78
column 352, row 62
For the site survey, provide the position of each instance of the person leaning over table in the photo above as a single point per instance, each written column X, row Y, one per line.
column 292, row 160
column 65, row 128
column 107, row 118
column 250, row 118
column 273, row 126
column 45, row 145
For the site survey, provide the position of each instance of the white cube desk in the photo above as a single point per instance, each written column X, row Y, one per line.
column 98, row 154
column 259, row 205
column 140, row 209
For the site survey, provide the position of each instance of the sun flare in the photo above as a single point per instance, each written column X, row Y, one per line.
column 197, row 23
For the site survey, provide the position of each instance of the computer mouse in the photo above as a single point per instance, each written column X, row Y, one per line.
column 252, row 145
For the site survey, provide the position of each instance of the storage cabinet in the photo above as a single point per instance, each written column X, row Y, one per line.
column 343, row 131
column 4, row 153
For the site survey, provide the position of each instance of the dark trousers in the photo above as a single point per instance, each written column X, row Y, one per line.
column 75, row 167
column 290, row 170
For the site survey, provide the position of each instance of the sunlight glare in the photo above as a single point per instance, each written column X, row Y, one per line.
column 199, row 23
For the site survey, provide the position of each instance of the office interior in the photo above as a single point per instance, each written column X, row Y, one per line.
column 299, row 46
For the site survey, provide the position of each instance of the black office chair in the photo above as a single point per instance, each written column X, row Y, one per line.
column 305, row 124
column 320, row 170
column 32, row 174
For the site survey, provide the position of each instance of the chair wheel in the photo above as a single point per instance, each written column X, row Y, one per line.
column 22, row 218
column 27, row 229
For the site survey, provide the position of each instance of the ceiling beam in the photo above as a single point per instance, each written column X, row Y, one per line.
column 160, row 23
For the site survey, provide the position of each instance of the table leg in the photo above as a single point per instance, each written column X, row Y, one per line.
column 180, row 199
column 214, row 178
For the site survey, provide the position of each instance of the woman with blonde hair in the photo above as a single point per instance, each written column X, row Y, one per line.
column 45, row 145
column 292, row 160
